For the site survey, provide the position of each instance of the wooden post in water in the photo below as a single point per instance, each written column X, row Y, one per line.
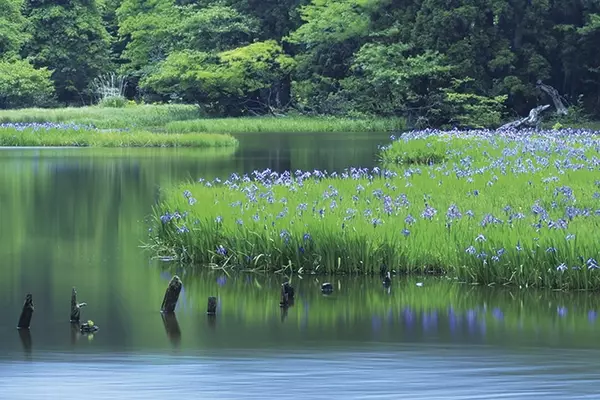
column 75, row 307
column 26, row 313
column 287, row 295
column 171, row 295
column 211, row 308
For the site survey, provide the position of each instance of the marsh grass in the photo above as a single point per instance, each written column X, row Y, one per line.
column 499, row 210
column 97, row 138
column 138, row 116
column 287, row 125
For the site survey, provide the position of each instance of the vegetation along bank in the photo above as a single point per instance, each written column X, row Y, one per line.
column 486, row 207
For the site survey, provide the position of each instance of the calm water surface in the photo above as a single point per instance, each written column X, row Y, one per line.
column 76, row 217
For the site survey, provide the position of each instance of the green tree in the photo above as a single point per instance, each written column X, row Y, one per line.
column 21, row 85
column 11, row 26
column 68, row 37
column 228, row 82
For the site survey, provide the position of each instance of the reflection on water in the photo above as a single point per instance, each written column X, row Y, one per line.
column 76, row 218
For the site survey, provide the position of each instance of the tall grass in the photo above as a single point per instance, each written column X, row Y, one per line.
column 95, row 138
column 517, row 209
column 287, row 125
column 137, row 116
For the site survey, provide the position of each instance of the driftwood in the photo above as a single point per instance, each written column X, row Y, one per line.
column 555, row 96
column 211, row 308
column 171, row 295
column 533, row 120
column 75, row 307
column 26, row 313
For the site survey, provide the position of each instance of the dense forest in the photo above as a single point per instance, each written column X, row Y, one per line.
column 459, row 62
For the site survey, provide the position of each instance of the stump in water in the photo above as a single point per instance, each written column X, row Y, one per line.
column 327, row 288
column 75, row 307
column 171, row 295
column 287, row 295
column 211, row 308
column 26, row 313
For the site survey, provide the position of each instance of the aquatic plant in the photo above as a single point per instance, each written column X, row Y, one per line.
column 287, row 125
column 502, row 208
column 59, row 134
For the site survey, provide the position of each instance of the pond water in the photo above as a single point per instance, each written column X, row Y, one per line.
column 75, row 217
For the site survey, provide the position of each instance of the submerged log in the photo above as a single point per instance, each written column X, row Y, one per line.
column 533, row 120
column 75, row 307
column 26, row 313
column 211, row 308
column 171, row 295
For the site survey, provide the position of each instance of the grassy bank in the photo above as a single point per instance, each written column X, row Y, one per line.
column 517, row 208
column 139, row 116
column 73, row 135
column 287, row 125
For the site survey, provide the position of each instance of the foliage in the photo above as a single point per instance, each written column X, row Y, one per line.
column 81, row 136
column 21, row 85
column 222, row 81
column 11, row 23
column 69, row 39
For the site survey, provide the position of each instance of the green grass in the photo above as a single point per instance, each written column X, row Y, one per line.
column 287, row 125
column 96, row 138
column 505, row 211
column 140, row 116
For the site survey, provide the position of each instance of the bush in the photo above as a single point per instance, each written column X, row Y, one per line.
column 113, row 102
column 22, row 85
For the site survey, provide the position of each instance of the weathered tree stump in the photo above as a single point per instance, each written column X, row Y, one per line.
column 287, row 295
column 75, row 307
column 171, row 295
column 211, row 308
column 26, row 313
column 327, row 288
column 172, row 328
column 387, row 281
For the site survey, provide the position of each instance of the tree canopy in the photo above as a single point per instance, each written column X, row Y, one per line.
column 437, row 62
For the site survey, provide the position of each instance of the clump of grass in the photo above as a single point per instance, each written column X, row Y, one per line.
column 287, row 125
column 72, row 135
column 509, row 208
column 138, row 116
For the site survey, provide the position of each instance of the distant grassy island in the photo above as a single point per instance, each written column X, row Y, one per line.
column 159, row 126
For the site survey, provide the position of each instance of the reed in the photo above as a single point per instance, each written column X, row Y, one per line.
column 287, row 125
column 512, row 208
column 135, row 116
